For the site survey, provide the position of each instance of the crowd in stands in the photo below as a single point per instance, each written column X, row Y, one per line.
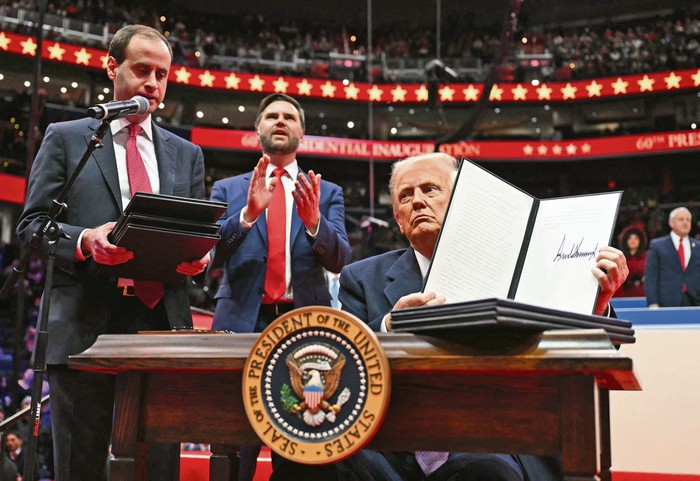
column 656, row 43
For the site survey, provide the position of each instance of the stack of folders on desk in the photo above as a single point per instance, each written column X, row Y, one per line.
column 502, row 314
column 163, row 231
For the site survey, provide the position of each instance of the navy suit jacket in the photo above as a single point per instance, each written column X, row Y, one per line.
column 81, row 302
column 243, row 255
column 370, row 288
column 664, row 277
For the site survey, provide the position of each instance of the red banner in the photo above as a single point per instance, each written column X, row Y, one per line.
column 478, row 150
column 364, row 92
column 12, row 188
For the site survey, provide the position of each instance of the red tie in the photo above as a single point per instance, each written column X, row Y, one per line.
column 276, row 273
column 147, row 291
column 681, row 253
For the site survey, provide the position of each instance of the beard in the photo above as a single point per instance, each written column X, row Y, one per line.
column 279, row 148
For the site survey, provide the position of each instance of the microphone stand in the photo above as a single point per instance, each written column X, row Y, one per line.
column 53, row 231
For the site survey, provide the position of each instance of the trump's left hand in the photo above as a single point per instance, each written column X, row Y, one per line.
column 611, row 271
column 192, row 268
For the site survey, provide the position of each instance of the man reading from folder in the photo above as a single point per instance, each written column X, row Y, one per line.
column 370, row 289
column 137, row 156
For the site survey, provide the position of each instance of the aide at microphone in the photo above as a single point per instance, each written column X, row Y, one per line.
column 119, row 108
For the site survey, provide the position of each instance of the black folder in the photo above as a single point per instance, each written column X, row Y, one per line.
column 163, row 231
column 502, row 314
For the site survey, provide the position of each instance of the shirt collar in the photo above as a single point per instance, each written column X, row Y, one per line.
column 118, row 125
column 292, row 169
column 423, row 263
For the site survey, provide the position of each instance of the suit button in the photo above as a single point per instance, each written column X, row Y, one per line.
column 264, row 258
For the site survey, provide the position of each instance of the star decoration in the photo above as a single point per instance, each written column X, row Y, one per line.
column 351, row 91
column 586, row 148
column 5, row 41
column 471, row 94
column 280, row 85
column 375, row 94
column 673, row 81
column 28, row 47
column 104, row 59
column 620, row 86
column 646, row 84
column 182, row 76
column 496, row 93
column 594, row 89
column 569, row 91
column 206, row 79
column 399, row 94
column 556, row 150
column 256, row 83
column 696, row 78
column 446, row 94
column 422, row 93
column 519, row 92
column 304, row 87
column 544, row 92
column 56, row 51
column 328, row 89
column 571, row 149
column 232, row 81
column 528, row 149
column 82, row 57
column 542, row 150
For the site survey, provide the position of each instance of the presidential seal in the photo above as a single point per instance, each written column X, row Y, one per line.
column 316, row 385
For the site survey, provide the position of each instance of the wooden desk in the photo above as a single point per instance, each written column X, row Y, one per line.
column 540, row 397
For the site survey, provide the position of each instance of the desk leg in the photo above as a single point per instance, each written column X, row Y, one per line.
column 131, row 457
column 605, row 451
column 224, row 463
column 579, row 428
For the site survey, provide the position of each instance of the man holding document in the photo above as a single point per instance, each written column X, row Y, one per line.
column 421, row 188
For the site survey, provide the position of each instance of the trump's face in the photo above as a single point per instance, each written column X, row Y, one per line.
column 421, row 194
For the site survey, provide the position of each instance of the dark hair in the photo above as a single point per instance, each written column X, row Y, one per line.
column 121, row 39
column 280, row 98
column 626, row 233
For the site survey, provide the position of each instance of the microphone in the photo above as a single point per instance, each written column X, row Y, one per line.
column 119, row 108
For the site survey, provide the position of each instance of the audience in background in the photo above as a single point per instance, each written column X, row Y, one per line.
column 633, row 243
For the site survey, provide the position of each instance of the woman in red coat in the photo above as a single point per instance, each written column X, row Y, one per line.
column 633, row 242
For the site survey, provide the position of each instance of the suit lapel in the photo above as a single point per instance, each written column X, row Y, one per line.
column 694, row 253
column 106, row 162
column 297, row 225
column 166, row 155
column 403, row 277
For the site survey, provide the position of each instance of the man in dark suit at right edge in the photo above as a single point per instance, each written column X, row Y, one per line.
column 371, row 288
column 672, row 271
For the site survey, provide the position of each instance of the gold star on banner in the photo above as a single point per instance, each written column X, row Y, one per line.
column 542, row 150
column 280, row 85
column 328, row 89
column 471, row 94
column 375, row 94
column 569, row 91
column 696, row 78
column 182, row 76
column 673, row 81
column 519, row 92
column 422, row 94
column 82, row 56
column 56, row 51
column 206, row 79
column 646, row 84
column 446, row 94
column 544, row 92
column 5, row 41
column 399, row 94
column 586, row 148
column 256, row 83
column 232, row 81
column 304, row 87
column 104, row 59
column 620, row 86
column 571, row 149
column 28, row 47
column 556, row 150
column 528, row 149
column 351, row 92
column 496, row 93
column 594, row 89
